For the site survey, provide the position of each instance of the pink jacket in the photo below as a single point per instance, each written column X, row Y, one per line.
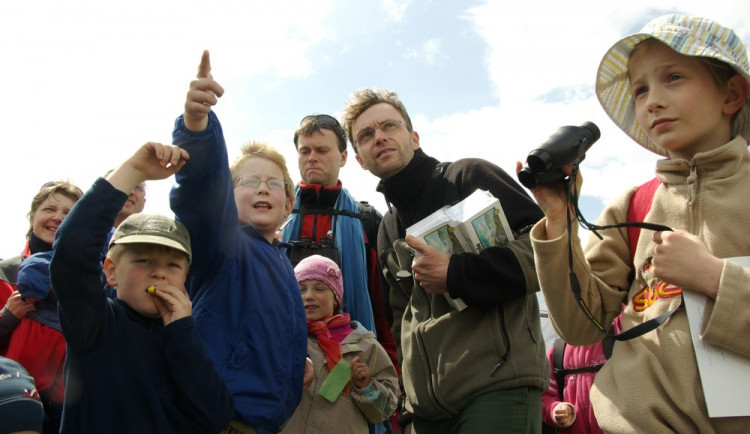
column 576, row 389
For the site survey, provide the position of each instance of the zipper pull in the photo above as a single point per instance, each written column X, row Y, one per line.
column 499, row 365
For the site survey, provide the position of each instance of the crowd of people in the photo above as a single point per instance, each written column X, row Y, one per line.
column 265, row 306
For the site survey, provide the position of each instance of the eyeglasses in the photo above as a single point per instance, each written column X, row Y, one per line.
column 368, row 134
column 254, row 182
column 324, row 120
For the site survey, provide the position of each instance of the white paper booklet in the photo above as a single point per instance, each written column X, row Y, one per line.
column 472, row 225
column 724, row 374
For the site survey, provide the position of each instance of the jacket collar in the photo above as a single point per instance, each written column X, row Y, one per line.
column 721, row 162
column 317, row 196
column 406, row 187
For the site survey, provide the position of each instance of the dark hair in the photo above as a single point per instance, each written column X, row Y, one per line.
column 314, row 123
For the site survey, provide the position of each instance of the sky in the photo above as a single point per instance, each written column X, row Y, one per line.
column 85, row 83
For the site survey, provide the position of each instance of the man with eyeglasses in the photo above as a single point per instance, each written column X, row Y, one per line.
column 481, row 369
column 326, row 214
column 135, row 203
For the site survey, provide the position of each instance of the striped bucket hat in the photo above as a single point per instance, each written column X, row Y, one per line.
column 691, row 36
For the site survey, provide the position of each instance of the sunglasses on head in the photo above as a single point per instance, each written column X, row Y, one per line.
column 326, row 120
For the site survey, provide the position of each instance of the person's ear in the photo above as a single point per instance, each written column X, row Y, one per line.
column 344, row 154
column 288, row 207
column 414, row 140
column 737, row 89
column 359, row 160
column 109, row 271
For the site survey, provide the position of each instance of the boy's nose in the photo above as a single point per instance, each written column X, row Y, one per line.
column 159, row 271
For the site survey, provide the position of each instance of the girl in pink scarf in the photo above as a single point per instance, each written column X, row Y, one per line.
column 355, row 381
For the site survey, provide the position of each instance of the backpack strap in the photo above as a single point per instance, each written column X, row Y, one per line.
column 371, row 221
column 607, row 344
column 640, row 205
column 558, row 354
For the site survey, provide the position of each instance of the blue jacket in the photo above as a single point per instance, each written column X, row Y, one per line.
column 246, row 300
column 124, row 372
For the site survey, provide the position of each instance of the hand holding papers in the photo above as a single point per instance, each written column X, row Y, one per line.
column 471, row 225
column 723, row 373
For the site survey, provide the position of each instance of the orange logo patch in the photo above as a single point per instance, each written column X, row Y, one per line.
column 655, row 289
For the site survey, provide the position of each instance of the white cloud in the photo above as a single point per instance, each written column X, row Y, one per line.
column 86, row 82
column 542, row 61
column 429, row 51
column 395, row 9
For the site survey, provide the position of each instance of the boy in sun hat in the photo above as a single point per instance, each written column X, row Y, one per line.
column 680, row 89
column 355, row 381
column 135, row 363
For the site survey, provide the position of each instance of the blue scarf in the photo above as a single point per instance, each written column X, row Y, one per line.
column 350, row 241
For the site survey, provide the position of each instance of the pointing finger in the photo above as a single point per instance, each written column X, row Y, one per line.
column 204, row 69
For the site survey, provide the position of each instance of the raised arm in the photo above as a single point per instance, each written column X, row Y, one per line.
column 203, row 196
column 76, row 268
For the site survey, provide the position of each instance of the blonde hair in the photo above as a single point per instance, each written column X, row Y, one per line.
column 117, row 250
column 263, row 150
column 361, row 100
column 64, row 187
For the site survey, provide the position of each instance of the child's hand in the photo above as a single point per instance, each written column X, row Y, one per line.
column 156, row 161
column 151, row 161
column 430, row 266
column 19, row 307
column 564, row 414
column 682, row 259
column 360, row 372
column 553, row 200
column 204, row 93
column 172, row 303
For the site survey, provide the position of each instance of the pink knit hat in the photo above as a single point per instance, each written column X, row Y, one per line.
column 320, row 268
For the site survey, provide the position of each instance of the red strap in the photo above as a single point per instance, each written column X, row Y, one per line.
column 640, row 204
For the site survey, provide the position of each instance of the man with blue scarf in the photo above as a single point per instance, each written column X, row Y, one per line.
column 327, row 215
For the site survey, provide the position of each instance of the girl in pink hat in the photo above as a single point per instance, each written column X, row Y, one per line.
column 355, row 381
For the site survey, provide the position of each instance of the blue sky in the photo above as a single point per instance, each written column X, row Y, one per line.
column 86, row 83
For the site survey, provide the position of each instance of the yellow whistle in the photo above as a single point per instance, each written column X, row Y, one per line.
column 151, row 289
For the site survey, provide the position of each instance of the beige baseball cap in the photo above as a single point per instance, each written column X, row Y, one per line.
column 153, row 229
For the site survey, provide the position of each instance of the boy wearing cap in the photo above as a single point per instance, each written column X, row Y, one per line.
column 136, row 363
column 679, row 88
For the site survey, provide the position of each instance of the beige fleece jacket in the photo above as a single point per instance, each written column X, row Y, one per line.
column 651, row 383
